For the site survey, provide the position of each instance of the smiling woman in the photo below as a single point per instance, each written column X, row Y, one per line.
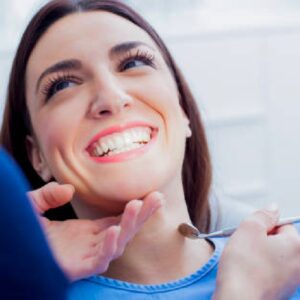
column 114, row 85
column 96, row 101
column 130, row 60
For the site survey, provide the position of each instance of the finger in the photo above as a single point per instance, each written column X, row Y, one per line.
column 135, row 214
column 51, row 195
column 151, row 203
column 129, row 217
column 107, row 249
column 262, row 221
column 127, row 224
column 104, row 223
column 110, row 241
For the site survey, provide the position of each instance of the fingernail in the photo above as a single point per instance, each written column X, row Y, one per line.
column 273, row 207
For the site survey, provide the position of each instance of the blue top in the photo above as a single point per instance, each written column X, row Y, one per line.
column 28, row 269
column 199, row 285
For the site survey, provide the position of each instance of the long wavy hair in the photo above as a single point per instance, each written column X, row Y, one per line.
column 196, row 171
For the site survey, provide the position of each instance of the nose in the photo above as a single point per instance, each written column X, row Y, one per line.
column 109, row 99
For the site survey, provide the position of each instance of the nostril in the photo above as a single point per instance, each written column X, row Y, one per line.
column 105, row 112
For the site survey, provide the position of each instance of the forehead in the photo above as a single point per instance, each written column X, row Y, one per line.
column 86, row 34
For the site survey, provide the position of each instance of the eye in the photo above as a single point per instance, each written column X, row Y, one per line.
column 133, row 64
column 61, row 85
column 57, row 84
column 137, row 60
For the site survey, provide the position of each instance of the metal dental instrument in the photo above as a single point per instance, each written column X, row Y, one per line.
column 192, row 232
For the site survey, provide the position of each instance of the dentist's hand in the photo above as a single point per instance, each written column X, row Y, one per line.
column 86, row 247
column 260, row 261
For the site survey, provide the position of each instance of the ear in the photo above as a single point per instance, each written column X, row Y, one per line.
column 37, row 159
column 188, row 131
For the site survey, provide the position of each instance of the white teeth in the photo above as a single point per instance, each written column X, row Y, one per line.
column 122, row 141
column 137, row 135
column 126, row 148
column 95, row 152
column 118, row 141
column 145, row 137
column 104, row 147
column 110, row 144
column 127, row 138
column 99, row 150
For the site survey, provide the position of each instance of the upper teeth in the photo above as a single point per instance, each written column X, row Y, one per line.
column 121, row 141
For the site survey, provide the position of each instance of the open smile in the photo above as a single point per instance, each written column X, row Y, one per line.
column 122, row 142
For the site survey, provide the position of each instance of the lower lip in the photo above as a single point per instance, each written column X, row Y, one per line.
column 128, row 154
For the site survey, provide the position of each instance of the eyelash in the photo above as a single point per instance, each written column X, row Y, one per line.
column 141, row 55
column 56, row 79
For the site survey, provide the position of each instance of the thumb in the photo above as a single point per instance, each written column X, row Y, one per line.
column 51, row 195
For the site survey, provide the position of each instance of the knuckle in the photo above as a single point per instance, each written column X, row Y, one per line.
column 266, row 217
column 252, row 224
column 260, row 220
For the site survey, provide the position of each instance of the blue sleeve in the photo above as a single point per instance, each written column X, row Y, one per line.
column 27, row 267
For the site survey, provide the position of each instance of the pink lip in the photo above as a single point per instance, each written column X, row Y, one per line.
column 128, row 154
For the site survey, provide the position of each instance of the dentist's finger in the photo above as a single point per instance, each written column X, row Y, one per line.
column 260, row 223
column 136, row 213
column 103, row 253
column 51, row 195
column 128, row 224
column 151, row 203
column 106, row 222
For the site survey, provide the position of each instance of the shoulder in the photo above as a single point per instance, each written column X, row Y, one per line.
column 226, row 211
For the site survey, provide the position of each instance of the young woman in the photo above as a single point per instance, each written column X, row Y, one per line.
column 96, row 101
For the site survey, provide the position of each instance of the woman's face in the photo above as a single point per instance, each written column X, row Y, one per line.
column 104, row 109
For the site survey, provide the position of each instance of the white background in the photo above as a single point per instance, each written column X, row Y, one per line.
column 242, row 59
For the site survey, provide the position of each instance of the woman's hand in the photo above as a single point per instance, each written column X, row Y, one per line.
column 86, row 247
column 260, row 261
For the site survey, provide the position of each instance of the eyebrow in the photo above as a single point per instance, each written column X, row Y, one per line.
column 64, row 65
column 75, row 64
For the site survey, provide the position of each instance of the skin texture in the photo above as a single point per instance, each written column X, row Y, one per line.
column 109, row 90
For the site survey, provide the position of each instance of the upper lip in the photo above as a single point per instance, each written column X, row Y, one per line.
column 118, row 128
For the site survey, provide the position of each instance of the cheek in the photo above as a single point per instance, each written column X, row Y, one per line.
column 160, row 92
column 55, row 128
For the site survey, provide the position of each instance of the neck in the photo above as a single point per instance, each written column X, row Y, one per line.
column 159, row 246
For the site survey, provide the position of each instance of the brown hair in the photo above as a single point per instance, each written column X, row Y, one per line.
column 196, row 172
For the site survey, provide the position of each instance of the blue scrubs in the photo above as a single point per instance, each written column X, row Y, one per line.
column 28, row 269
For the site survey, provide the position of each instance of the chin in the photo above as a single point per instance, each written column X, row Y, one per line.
column 127, row 190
